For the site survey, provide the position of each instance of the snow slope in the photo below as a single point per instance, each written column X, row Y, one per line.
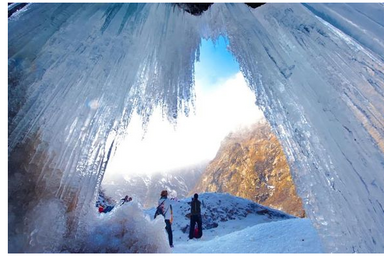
column 230, row 225
column 286, row 236
column 236, row 225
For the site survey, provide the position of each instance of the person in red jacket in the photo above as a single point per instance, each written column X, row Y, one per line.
column 101, row 208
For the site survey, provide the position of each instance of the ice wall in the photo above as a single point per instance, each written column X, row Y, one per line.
column 323, row 93
column 77, row 71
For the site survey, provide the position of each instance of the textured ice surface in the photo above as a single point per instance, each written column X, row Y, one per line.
column 78, row 71
column 323, row 94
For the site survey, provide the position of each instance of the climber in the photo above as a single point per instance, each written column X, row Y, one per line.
column 195, row 218
column 125, row 199
column 165, row 209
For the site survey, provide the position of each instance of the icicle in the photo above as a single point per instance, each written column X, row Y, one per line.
column 78, row 71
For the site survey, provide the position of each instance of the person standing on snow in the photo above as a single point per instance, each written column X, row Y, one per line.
column 165, row 209
column 195, row 218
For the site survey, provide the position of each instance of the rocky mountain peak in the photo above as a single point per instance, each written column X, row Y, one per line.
column 251, row 164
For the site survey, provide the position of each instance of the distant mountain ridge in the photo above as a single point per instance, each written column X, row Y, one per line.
column 251, row 164
column 146, row 188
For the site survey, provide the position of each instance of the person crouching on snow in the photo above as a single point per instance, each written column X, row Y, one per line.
column 165, row 209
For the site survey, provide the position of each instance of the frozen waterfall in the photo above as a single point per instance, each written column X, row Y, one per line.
column 77, row 72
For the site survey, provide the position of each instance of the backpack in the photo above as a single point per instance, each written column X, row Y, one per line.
column 196, row 232
column 160, row 210
column 171, row 220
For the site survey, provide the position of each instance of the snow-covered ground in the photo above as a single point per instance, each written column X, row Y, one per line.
column 242, row 227
column 286, row 236
column 230, row 225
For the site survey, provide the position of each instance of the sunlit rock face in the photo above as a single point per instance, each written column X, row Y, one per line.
column 251, row 164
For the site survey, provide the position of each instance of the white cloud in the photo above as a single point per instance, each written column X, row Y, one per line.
column 219, row 110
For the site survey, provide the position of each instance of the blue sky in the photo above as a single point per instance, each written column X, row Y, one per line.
column 216, row 62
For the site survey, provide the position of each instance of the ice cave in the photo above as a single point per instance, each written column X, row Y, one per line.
column 77, row 72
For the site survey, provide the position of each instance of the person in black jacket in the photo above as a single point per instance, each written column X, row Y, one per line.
column 195, row 218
